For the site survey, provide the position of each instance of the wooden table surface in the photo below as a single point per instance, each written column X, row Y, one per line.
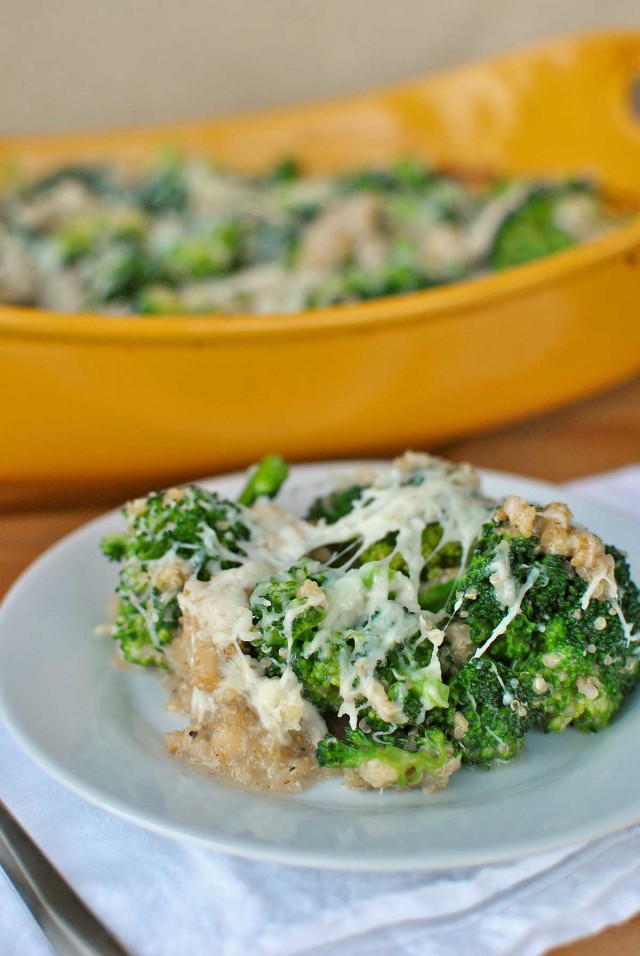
column 595, row 435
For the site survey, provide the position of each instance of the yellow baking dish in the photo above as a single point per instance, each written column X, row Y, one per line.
column 91, row 399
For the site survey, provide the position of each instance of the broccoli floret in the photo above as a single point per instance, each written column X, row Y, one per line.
column 582, row 665
column 164, row 190
column 114, row 547
column 404, row 175
column 76, row 238
column 530, row 232
column 488, row 712
column 289, row 610
column 335, row 505
column 171, row 536
column 413, row 174
column 389, row 280
column 284, row 633
column 481, row 609
column 574, row 682
column 435, row 597
column 439, row 558
column 398, row 760
column 117, row 272
column 575, row 663
column 410, row 678
column 293, row 614
column 214, row 253
column 271, row 602
column 320, row 679
column 285, row 171
column 80, row 235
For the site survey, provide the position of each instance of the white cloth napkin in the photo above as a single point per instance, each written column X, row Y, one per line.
column 165, row 898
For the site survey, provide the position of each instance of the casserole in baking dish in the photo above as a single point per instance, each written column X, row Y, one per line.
column 90, row 398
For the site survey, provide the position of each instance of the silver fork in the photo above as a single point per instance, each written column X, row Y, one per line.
column 70, row 927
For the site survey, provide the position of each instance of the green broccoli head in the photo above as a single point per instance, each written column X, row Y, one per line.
column 281, row 609
column 392, row 278
column 410, row 674
column 117, row 272
column 351, row 642
column 164, row 189
column 214, row 252
column 335, row 505
column 531, row 232
column 421, row 757
column 570, row 651
column 286, row 170
column 286, row 624
column 478, row 604
column 77, row 237
column 488, row 712
column 442, row 559
column 582, row 665
column 405, row 175
column 86, row 233
column 171, row 536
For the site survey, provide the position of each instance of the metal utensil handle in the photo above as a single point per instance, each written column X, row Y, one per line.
column 68, row 924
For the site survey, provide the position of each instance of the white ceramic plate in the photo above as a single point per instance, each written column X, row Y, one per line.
column 97, row 729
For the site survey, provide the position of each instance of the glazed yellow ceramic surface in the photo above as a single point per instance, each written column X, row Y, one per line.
column 91, row 398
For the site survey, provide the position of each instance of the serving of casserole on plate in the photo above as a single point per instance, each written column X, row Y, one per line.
column 106, row 742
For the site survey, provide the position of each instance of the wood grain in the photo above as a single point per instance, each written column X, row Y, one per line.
column 596, row 435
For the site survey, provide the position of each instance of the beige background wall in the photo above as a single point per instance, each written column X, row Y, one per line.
column 88, row 63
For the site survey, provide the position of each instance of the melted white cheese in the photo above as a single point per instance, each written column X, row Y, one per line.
column 505, row 583
column 218, row 612
column 448, row 494
column 372, row 609
column 512, row 613
column 608, row 576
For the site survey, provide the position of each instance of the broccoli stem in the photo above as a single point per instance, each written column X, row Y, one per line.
column 429, row 756
column 265, row 481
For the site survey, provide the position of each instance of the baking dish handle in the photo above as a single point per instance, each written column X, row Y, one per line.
column 606, row 76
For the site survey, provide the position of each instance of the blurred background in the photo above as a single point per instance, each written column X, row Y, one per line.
column 90, row 63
